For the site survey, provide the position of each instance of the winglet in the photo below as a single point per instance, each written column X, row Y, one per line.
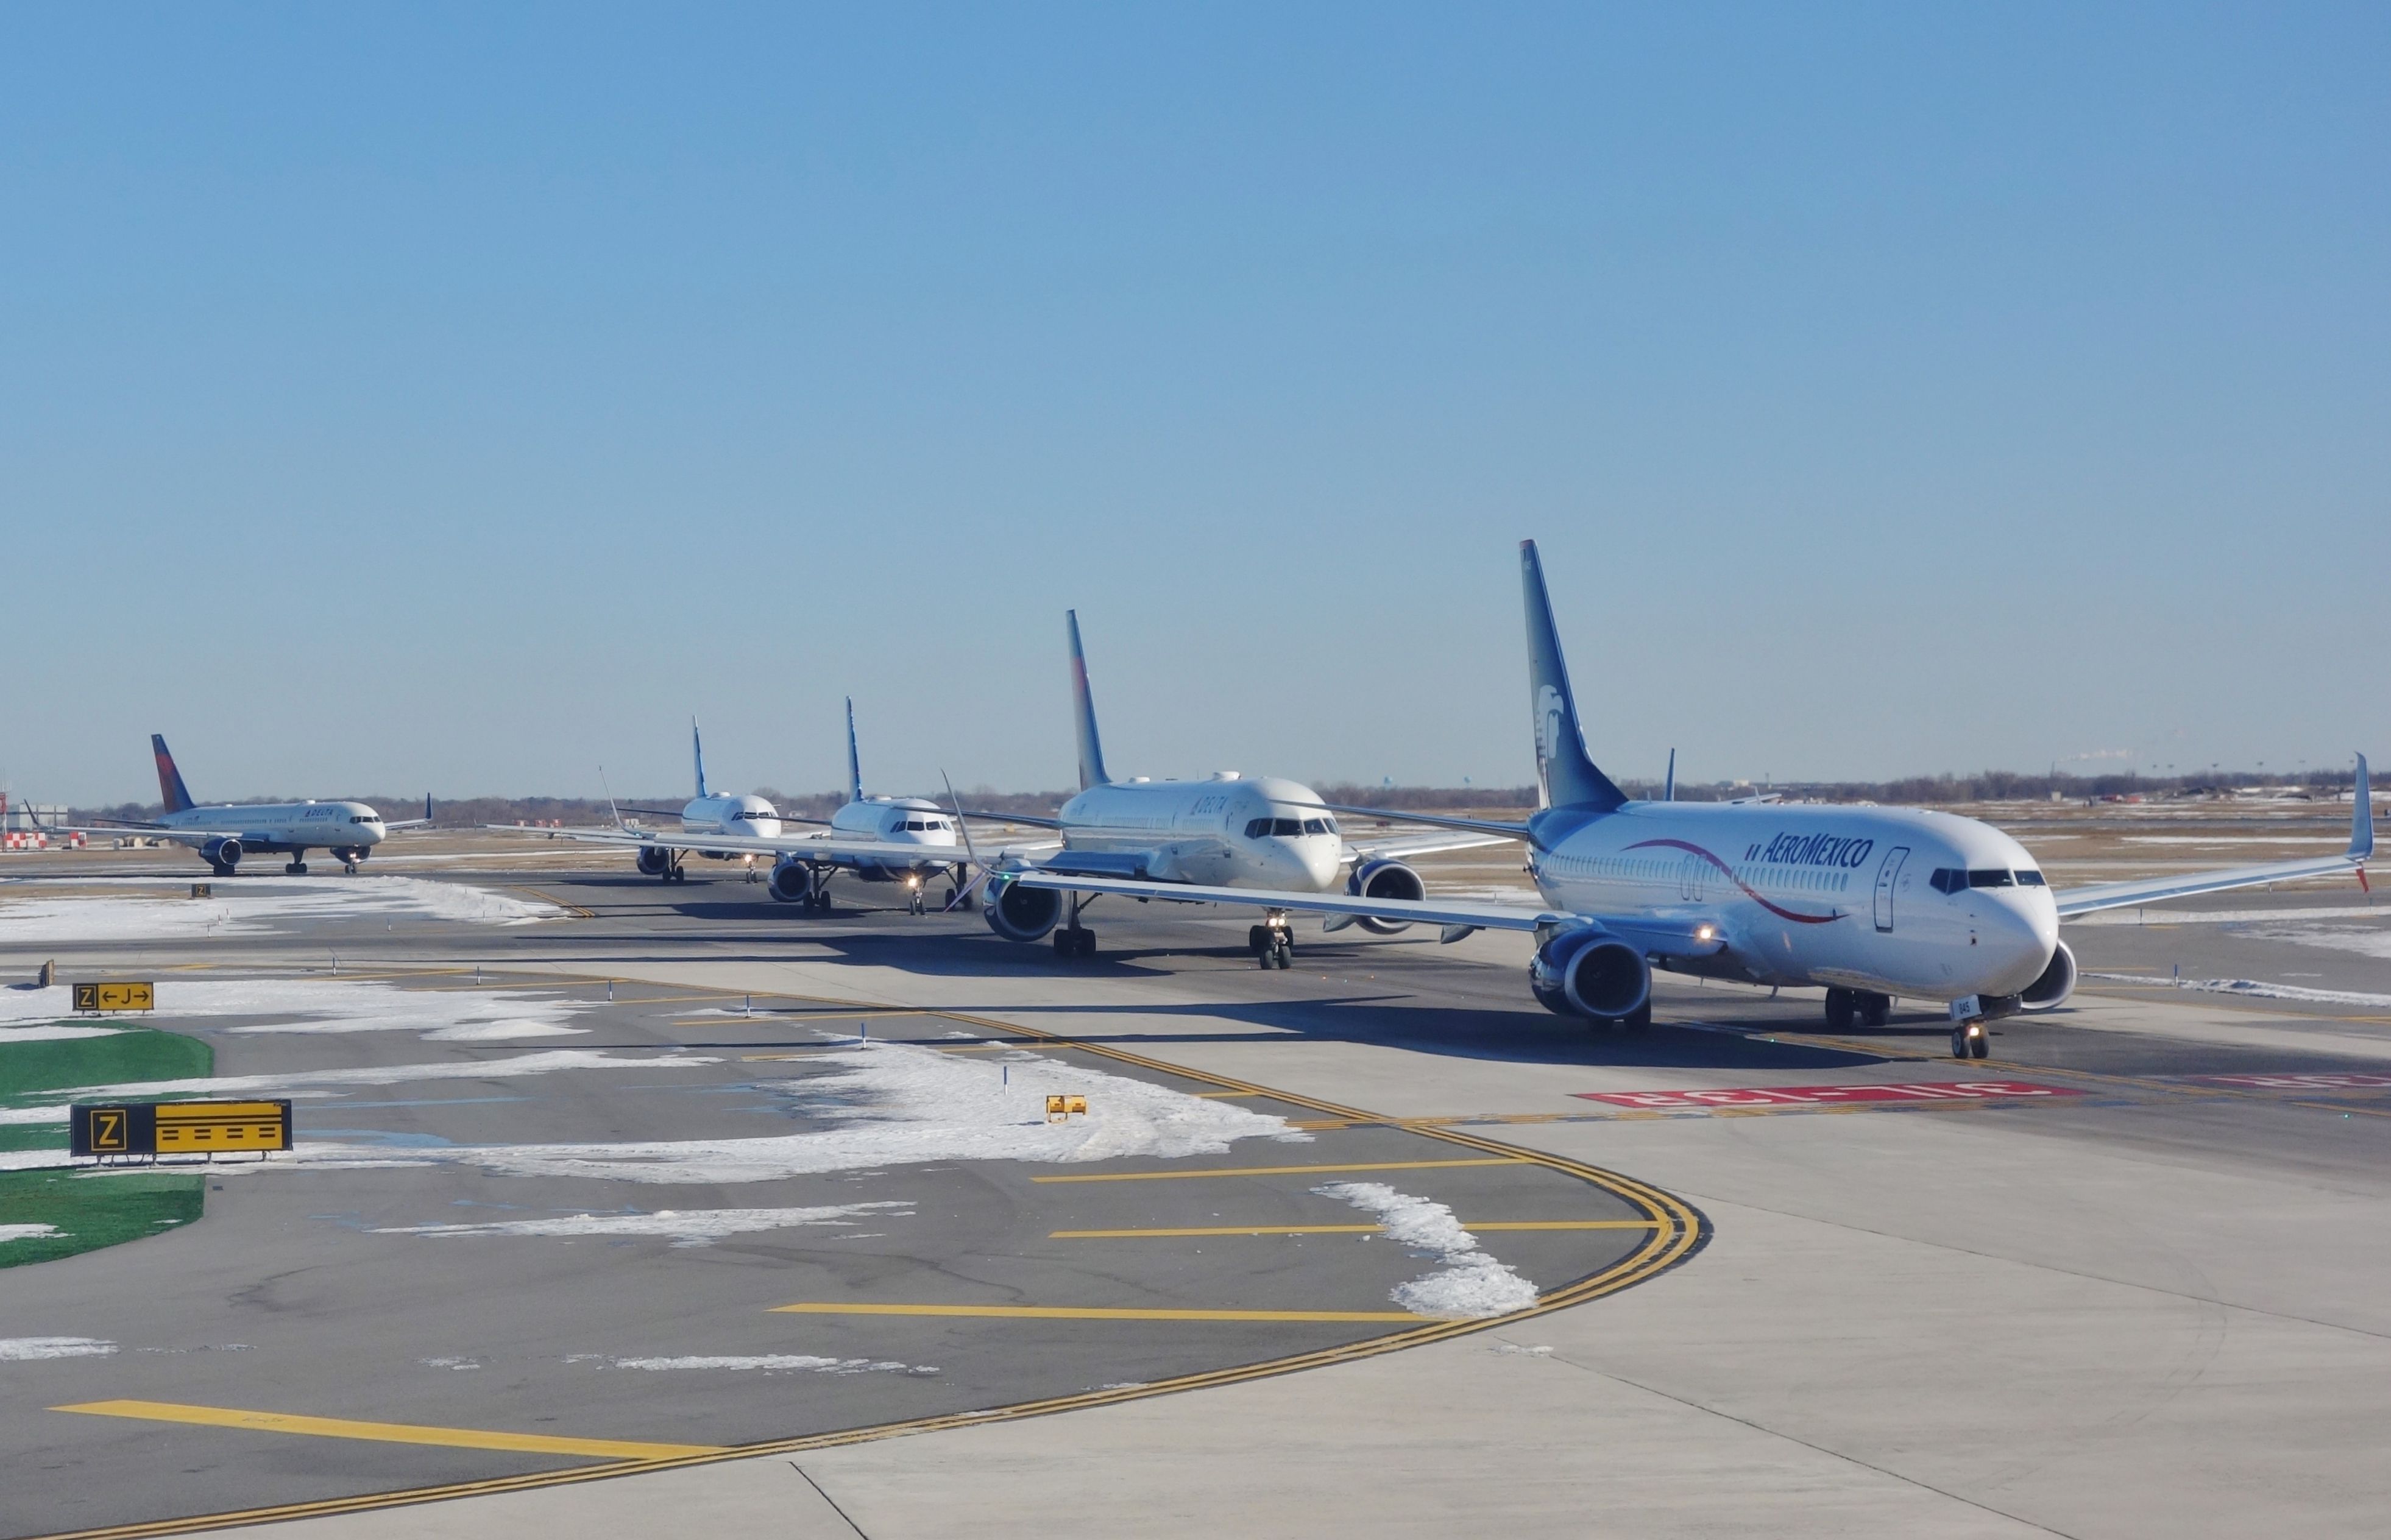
column 1669, row 786
column 171, row 789
column 1092, row 751
column 697, row 752
column 2362, row 818
column 1564, row 774
column 854, row 761
column 427, row 810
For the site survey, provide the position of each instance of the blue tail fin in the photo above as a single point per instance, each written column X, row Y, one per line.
column 171, row 789
column 697, row 752
column 854, row 760
column 1092, row 750
column 1565, row 776
column 2361, row 815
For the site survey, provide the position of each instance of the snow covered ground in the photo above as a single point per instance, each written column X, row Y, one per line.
column 321, row 1004
column 686, row 1226
column 1467, row 1284
column 257, row 904
column 2255, row 989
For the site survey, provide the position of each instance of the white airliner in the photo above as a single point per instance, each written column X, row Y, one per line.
column 222, row 833
column 1226, row 832
column 703, row 815
column 904, row 840
column 1870, row 902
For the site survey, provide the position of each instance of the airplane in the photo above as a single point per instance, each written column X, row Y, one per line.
column 223, row 833
column 1226, row 832
column 906, row 840
column 702, row 814
column 1870, row 902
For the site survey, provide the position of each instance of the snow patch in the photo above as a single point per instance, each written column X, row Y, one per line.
column 1470, row 1285
column 893, row 1104
column 262, row 905
column 687, row 1227
column 318, row 1006
column 547, row 1062
column 2254, row 988
column 23, row 1350
column 776, row 1361
column 51, row 1031
column 2235, row 916
column 28, row 1232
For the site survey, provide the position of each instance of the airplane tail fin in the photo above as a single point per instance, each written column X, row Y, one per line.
column 1092, row 750
column 697, row 752
column 2362, row 816
column 1565, row 776
column 171, row 789
column 854, row 760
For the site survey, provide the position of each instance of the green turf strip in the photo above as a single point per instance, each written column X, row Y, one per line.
column 55, row 1063
column 92, row 1212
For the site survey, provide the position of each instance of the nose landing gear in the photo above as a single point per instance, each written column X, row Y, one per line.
column 1272, row 942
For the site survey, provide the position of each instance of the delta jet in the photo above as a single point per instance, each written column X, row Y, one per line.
column 223, row 833
column 905, row 839
column 1869, row 902
column 1146, row 838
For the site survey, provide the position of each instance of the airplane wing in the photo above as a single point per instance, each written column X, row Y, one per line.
column 2117, row 895
column 1501, row 828
column 1012, row 818
column 1420, row 844
column 806, row 847
column 1685, row 934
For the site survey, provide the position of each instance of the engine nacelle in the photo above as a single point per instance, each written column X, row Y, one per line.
column 1590, row 972
column 1385, row 880
column 2058, row 982
column 654, row 860
column 223, row 852
column 790, row 881
column 1021, row 914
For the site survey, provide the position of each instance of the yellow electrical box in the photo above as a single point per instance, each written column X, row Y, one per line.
column 1058, row 1109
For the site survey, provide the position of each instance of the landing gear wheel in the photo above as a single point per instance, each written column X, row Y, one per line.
column 1875, row 1009
column 296, row 868
column 950, row 898
column 1064, row 947
column 1979, row 1045
column 222, row 871
column 1087, row 944
column 1639, row 1020
column 350, row 867
column 1840, row 1009
column 1285, row 951
column 1960, row 1043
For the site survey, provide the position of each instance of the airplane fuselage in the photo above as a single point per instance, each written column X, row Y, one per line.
column 741, row 816
column 1224, row 832
column 1859, row 898
column 291, row 828
column 896, row 821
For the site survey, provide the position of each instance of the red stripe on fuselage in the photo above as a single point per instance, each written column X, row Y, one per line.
column 1727, row 872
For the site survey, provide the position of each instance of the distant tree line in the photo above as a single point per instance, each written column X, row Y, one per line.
column 1921, row 790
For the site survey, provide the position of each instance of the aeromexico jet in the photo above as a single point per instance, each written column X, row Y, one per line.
column 223, row 832
column 1870, row 902
column 1147, row 837
column 904, row 840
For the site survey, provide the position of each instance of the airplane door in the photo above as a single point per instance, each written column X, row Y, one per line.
column 1887, row 873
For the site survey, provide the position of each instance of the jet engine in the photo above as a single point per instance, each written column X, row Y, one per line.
column 1385, row 880
column 790, row 881
column 654, row 860
column 222, row 854
column 1021, row 914
column 1589, row 972
column 2058, row 982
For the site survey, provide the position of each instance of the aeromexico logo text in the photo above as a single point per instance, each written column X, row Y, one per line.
column 1812, row 849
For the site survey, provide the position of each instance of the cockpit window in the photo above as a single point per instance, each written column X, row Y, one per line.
column 1318, row 825
column 1949, row 879
column 2028, row 877
column 1990, row 877
column 1258, row 829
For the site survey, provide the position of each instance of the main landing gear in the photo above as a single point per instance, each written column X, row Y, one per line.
column 1076, row 940
column 295, row 868
column 1272, row 942
column 1865, row 1005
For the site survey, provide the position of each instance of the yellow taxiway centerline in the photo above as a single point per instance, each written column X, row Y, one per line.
column 1282, row 1170
column 1471, row 1225
column 389, row 1433
column 1070, row 1312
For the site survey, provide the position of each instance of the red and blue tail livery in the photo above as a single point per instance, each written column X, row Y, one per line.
column 171, row 789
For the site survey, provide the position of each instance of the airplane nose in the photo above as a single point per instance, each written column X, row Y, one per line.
column 2023, row 935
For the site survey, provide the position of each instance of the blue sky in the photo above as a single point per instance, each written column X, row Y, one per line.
column 462, row 397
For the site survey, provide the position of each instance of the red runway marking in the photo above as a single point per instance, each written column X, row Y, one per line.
column 1812, row 1096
